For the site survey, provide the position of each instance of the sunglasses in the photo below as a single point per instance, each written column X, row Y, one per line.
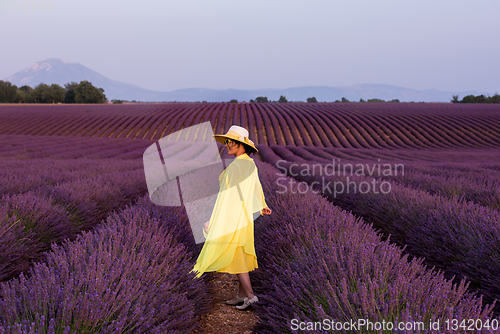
column 227, row 141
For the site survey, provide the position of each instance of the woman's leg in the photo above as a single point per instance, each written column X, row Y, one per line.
column 241, row 292
column 245, row 286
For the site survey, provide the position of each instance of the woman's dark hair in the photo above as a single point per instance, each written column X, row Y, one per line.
column 248, row 149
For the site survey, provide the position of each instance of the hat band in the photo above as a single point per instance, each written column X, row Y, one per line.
column 238, row 136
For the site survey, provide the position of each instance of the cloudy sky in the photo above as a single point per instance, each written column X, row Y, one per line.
column 221, row 44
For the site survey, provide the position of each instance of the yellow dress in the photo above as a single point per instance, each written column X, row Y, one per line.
column 229, row 245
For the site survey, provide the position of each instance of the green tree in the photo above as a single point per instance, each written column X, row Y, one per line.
column 493, row 99
column 20, row 96
column 469, row 99
column 8, row 92
column 312, row 100
column 345, row 100
column 233, row 101
column 375, row 101
column 455, row 99
column 27, row 89
column 85, row 92
column 362, row 101
column 394, row 101
column 25, row 92
column 40, row 93
column 480, row 99
column 54, row 94
column 261, row 99
column 282, row 99
column 69, row 97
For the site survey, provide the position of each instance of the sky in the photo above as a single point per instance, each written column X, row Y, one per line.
column 447, row 45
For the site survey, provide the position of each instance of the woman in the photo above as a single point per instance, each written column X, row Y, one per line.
column 229, row 245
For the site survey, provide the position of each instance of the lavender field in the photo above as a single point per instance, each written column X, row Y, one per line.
column 415, row 238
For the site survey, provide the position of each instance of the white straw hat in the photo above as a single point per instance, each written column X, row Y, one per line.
column 236, row 133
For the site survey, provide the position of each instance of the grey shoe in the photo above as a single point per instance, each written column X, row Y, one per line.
column 247, row 302
column 235, row 300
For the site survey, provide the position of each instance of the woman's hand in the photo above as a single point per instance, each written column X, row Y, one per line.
column 205, row 227
column 266, row 211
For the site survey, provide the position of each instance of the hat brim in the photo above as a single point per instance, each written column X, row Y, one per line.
column 221, row 138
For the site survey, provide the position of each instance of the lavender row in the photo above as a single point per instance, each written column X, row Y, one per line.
column 481, row 187
column 413, row 157
column 64, row 147
column 329, row 125
column 13, row 143
column 30, row 222
column 476, row 182
column 129, row 275
column 477, row 171
column 318, row 262
column 452, row 235
column 21, row 175
column 133, row 151
column 91, row 199
column 28, row 225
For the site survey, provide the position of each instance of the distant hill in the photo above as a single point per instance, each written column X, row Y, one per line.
column 61, row 72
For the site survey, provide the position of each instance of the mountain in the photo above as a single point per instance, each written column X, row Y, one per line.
column 61, row 72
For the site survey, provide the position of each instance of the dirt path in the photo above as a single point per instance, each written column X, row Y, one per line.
column 225, row 318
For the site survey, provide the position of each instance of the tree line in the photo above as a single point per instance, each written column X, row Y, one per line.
column 73, row 92
column 282, row 99
column 264, row 99
column 477, row 99
column 467, row 99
